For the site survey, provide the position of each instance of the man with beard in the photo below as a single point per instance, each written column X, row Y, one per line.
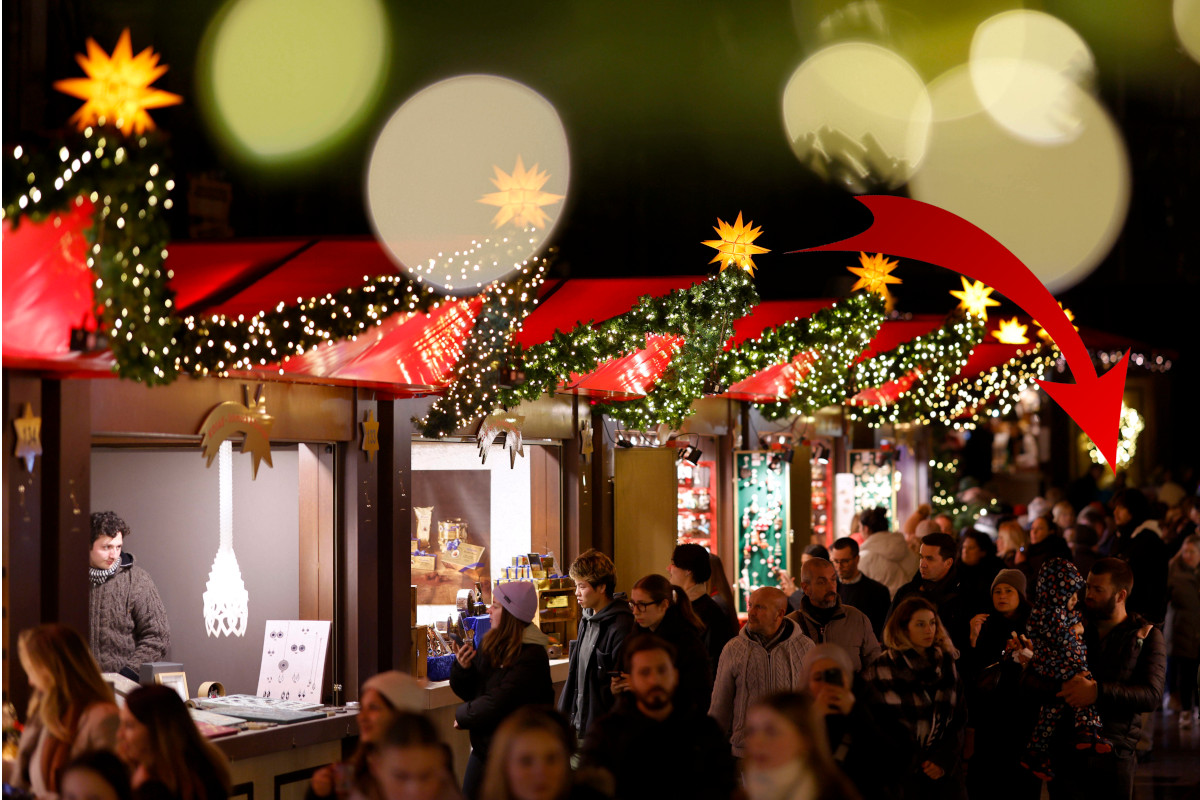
column 823, row 618
column 652, row 747
column 1127, row 659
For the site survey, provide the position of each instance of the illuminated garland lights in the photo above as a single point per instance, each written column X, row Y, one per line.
column 836, row 336
column 936, row 358
column 1131, row 427
column 702, row 314
column 126, row 181
column 488, row 354
column 1000, row 385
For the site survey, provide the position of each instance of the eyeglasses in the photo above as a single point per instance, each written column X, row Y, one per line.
column 637, row 606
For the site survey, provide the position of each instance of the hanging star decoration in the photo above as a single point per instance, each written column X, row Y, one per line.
column 29, row 436
column 370, row 438
column 249, row 418
column 736, row 246
column 1011, row 332
column 493, row 426
column 975, row 297
column 520, row 197
column 1070, row 318
column 117, row 87
column 875, row 274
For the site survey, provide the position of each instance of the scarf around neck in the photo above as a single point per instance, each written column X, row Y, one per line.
column 99, row 576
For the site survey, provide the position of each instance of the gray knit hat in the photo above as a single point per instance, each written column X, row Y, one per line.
column 1014, row 578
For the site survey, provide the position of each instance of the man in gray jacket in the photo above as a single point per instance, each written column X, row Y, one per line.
column 127, row 621
column 824, row 618
column 763, row 659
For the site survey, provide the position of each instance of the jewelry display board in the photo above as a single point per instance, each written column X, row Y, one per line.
column 293, row 662
column 763, row 519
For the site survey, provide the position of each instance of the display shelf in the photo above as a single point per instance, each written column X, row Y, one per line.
column 822, row 497
column 696, row 503
column 763, row 521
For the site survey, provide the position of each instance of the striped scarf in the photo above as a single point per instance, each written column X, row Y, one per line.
column 99, row 576
column 922, row 690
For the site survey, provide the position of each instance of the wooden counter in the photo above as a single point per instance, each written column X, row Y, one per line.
column 276, row 763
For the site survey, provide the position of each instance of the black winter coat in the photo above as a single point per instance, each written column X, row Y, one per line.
column 975, row 583
column 947, row 595
column 612, row 624
column 1146, row 555
column 686, row 755
column 718, row 628
column 695, row 672
column 1183, row 617
column 1131, row 673
column 492, row 693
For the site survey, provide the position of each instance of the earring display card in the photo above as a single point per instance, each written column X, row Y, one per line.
column 293, row 661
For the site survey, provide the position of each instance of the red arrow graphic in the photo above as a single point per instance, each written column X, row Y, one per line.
column 923, row 232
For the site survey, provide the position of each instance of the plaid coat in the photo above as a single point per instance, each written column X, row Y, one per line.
column 923, row 696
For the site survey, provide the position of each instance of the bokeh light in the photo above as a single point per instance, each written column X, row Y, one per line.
column 1186, row 16
column 283, row 80
column 467, row 181
column 1023, row 67
column 1057, row 207
column 859, row 115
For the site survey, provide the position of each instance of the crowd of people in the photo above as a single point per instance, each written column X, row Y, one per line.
column 922, row 662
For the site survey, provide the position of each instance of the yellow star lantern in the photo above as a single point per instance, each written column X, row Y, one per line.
column 520, row 197
column 117, row 88
column 875, row 274
column 1011, row 332
column 975, row 297
column 736, row 245
column 1042, row 331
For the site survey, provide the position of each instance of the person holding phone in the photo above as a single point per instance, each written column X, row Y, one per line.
column 510, row 670
column 864, row 755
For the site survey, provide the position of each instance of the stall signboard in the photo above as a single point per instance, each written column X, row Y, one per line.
column 762, row 505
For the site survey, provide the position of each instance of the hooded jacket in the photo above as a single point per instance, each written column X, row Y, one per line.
column 848, row 627
column 749, row 672
column 596, row 651
column 492, row 693
column 885, row 557
column 127, row 622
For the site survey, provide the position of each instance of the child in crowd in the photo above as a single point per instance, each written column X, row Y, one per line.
column 1059, row 654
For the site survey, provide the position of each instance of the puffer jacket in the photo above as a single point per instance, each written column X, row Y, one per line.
column 492, row 693
column 748, row 672
column 848, row 627
column 885, row 557
column 1183, row 615
column 127, row 622
column 595, row 652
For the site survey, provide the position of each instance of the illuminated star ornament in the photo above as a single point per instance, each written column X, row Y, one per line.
column 1070, row 318
column 117, row 88
column 975, row 297
column 736, row 245
column 1011, row 332
column 875, row 274
column 520, row 197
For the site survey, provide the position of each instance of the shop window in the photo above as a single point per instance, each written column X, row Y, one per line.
column 472, row 518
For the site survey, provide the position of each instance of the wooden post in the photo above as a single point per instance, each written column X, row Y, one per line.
column 66, row 501
column 395, row 531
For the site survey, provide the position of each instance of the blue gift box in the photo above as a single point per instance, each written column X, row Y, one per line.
column 438, row 667
column 480, row 625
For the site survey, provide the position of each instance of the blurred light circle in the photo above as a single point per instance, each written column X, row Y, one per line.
column 467, row 181
column 1186, row 14
column 284, row 79
column 1023, row 66
column 858, row 114
column 1057, row 207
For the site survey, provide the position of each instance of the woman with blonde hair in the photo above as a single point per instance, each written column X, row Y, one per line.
column 167, row 754
column 531, row 759
column 510, row 670
column 918, row 696
column 71, row 710
column 1010, row 538
column 787, row 753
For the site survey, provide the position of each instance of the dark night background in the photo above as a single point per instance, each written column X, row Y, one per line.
column 672, row 111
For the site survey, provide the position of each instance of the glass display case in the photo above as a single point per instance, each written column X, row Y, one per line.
column 696, row 501
column 822, row 493
column 763, row 520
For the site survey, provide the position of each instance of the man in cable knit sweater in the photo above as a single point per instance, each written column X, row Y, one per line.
column 127, row 622
column 763, row 659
